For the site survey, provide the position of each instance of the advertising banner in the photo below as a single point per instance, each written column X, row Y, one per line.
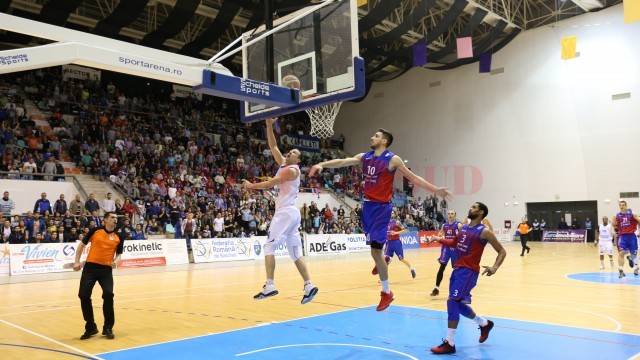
column 185, row 92
column 323, row 244
column 503, row 235
column 80, row 73
column 258, row 248
column 4, row 260
column 43, row 258
column 422, row 235
column 223, row 249
column 302, row 143
column 564, row 236
column 154, row 252
column 356, row 242
column 410, row 240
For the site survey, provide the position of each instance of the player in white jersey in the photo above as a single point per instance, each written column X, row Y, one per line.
column 286, row 220
column 604, row 241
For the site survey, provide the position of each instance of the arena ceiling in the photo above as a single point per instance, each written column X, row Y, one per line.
column 389, row 28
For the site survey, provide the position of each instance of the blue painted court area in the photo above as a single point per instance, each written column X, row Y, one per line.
column 607, row 277
column 397, row 333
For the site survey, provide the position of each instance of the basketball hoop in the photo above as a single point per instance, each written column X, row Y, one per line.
column 322, row 118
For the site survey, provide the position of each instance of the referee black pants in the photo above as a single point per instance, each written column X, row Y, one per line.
column 104, row 276
column 523, row 241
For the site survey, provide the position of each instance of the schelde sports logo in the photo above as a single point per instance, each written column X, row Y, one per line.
column 248, row 86
column 14, row 59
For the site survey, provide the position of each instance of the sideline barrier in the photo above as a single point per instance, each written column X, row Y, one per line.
column 25, row 259
column 154, row 252
column 43, row 258
column 232, row 249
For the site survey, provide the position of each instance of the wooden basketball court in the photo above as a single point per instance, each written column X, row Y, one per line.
column 40, row 316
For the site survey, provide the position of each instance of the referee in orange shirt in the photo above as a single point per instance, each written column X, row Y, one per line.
column 525, row 230
column 104, row 256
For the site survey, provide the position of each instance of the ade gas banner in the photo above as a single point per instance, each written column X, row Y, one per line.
column 564, row 236
column 323, row 244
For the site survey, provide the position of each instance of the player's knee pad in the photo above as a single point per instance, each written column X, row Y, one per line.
column 453, row 310
column 295, row 252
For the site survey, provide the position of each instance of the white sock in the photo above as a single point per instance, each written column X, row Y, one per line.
column 611, row 261
column 621, row 268
column 270, row 282
column 385, row 286
column 307, row 282
column 480, row 321
column 635, row 261
column 438, row 287
column 451, row 335
column 601, row 263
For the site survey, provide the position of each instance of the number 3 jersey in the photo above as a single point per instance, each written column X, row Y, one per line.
column 470, row 247
column 378, row 180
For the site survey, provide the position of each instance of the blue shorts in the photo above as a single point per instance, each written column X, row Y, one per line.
column 375, row 219
column 446, row 254
column 394, row 247
column 628, row 242
column 463, row 280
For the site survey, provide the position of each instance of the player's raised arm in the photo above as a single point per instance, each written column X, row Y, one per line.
column 285, row 175
column 335, row 163
column 397, row 163
column 273, row 144
column 502, row 253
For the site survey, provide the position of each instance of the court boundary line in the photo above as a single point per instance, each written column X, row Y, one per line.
column 46, row 349
column 617, row 323
column 537, row 322
column 594, row 282
column 327, row 344
column 51, row 340
column 233, row 330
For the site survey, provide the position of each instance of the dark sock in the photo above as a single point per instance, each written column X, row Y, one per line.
column 440, row 274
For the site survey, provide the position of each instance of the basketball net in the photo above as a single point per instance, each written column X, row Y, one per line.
column 322, row 118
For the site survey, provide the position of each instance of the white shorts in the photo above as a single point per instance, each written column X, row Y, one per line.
column 284, row 228
column 605, row 247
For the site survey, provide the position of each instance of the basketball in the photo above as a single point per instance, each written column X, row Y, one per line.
column 291, row 81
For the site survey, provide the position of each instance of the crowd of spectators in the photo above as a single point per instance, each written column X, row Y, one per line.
column 177, row 161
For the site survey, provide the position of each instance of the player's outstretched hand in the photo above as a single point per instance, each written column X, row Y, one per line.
column 271, row 121
column 432, row 238
column 489, row 270
column 444, row 192
column 246, row 183
column 317, row 168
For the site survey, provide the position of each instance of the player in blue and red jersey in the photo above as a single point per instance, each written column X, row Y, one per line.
column 394, row 244
column 449, row 230
column 469, row 243
column 626, row 222
column 379, row 167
